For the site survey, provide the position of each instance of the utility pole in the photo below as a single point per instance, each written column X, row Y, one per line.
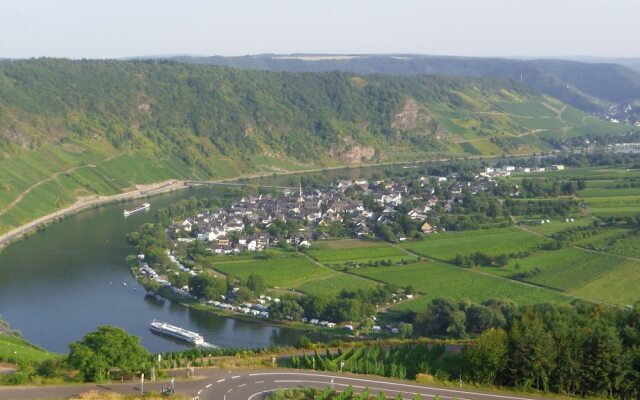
column 142, row 383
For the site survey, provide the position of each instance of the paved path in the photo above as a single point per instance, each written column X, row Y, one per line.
column 256, row 384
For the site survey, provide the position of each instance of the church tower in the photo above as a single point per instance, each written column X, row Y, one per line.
column 300, row 197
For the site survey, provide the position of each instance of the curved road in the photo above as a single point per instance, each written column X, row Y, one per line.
column 216, row 384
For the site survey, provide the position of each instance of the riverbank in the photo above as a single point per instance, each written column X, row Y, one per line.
column 141, row 191
column 86, row 203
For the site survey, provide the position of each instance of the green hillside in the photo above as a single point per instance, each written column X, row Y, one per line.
column 589, row 86
column 82, row 128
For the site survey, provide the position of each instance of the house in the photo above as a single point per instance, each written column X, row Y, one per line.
column 187, row 225
column 426, row 228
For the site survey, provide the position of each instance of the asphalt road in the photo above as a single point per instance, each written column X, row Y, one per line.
column 215, row 384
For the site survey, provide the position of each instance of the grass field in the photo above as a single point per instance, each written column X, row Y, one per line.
column 356, row 251
column 445, row 246
column 435, row 279
column 280, row 271
column 19, row 351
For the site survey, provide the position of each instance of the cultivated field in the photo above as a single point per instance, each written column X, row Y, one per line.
column 333, row 285
column 444, row 247
column 618, row 286
column 435, row 279
column 356, row 251
column 279, row 271
column 561, row 269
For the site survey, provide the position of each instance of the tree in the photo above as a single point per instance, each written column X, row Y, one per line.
column 180, row 279
column 604, row 362
column 106, row 348
column 489, row 356
column 438, row 317
column 286, row 309
column 502, row 260
column 244, row 295
column 204, row 285
column 480, row 318
column 256, row 283
column 406, row 330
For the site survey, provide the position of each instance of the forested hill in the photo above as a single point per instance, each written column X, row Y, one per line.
column 587, row 86
column 81, row 128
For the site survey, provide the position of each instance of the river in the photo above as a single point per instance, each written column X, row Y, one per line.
column 68, row 279
column 65, row 281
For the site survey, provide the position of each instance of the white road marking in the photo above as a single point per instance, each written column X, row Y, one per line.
column 229, row 391
column 259, row 382
column 199, row 392
column 243, row 385
column 209, row 385
column 392, row 383
column 235, row 377
column 221, row 380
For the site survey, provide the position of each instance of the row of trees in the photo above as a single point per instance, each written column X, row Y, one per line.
column 586, row 350
column 445, row 317
column 349, row 305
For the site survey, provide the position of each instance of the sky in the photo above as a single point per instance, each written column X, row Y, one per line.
column 507, row 28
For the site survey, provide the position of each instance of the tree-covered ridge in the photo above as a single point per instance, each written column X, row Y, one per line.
column 88, row 127
column 223, row 111
column 587, row 86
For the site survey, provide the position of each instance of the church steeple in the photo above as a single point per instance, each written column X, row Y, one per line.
column 300, row 197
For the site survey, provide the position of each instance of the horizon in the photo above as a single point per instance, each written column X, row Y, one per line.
column 577, row 57
column 493, row 29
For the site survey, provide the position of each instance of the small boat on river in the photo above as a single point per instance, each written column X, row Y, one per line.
column 141, row 207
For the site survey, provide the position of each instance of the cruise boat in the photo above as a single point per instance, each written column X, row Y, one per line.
column 176, row 332
column 141, row 207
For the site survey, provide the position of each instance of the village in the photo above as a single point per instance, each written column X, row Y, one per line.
column 247, row 225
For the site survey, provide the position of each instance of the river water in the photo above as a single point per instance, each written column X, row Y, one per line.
column 68, row 279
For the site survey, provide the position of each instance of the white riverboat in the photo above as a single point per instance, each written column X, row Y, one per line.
column 176, row 332
column 141, row 207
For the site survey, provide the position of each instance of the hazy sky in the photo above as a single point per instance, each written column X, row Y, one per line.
column 122, row 28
